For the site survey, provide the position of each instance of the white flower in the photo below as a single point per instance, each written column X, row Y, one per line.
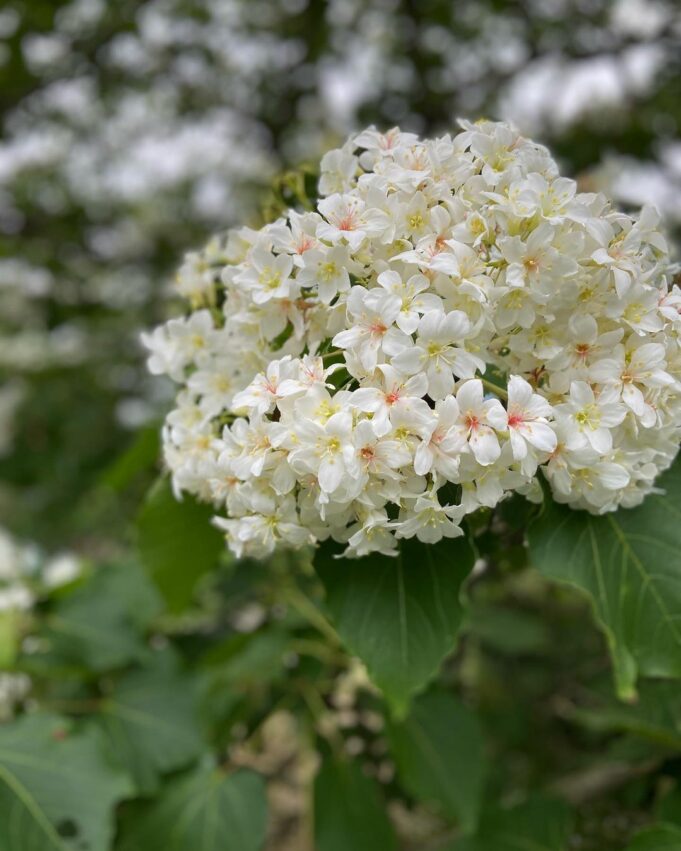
column 535, row 258
column 347, row 218
column 257, row 535
column 373, row 535
column 635, row 372
column 394, row 394
column 61, row 570
column 328, row 270
column 527, row 414
column 267, row 388
column 591, row 418
column 437, row 354
column 378, row 455
column 180, row 342
column 337, row 171
column 215, row 385
column 268, row 276
column 372, row 312
column 429, row 521
column 477, row 420
column 441, row 448
column 326, row 450
column 414, row 300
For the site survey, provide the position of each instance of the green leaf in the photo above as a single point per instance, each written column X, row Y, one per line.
column 151, row 721
column 539, row 824
column 629, row 564
column 10, row 620
column 142, row 454
column 438, row 750
column 401, row 616
column 99, row 624
column 662, row 837
column 177, row 543
column 349, row 811
column 57, row 789
column 251, row 659
column 508, row 631
column 655, row 716
column 668, row 809
column 206, row 811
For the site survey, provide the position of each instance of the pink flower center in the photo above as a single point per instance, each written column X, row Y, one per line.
column 305, row 244
column 347, row 222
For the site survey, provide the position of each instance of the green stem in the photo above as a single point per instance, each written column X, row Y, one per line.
column 311, row 613
column 494, row 388
column 318, row 650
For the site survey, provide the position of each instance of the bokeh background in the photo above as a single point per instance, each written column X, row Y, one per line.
column 132, row 130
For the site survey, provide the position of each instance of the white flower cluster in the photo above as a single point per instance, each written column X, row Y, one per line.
column 451, row 317
column 25, row 576
column 25, row 573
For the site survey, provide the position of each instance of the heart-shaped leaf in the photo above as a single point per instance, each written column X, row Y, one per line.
column 629, row 564
column 400, row 616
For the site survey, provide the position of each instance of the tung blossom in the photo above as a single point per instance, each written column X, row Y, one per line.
column 330, row 365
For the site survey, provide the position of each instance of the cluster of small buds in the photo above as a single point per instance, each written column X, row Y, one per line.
column 452, row 318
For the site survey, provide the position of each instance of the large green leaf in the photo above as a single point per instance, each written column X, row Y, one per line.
column 538, row 825
column 207, row 811
column 151, row 721
column 349, row 811
column 439, row 754
column 629, row 564
column 401, row 616
column 99, row 624
column 57, row 789
column 662, row 837
column 177, row 543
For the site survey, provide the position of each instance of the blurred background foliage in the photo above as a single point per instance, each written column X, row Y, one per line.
column 131, row 131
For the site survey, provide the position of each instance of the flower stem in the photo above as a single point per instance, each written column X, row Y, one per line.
column 495, row 388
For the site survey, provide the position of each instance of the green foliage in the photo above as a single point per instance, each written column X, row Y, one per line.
column 629, row 565
column 208, row 810
column 664, row 837
column 402, row 615
column 96, row 626
column 151, row 720
column 477, row 691
column 655, row 715
column 176, row 543
column 539, row 824
column 439, row 752
column 349, row 810
column 57, row 790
